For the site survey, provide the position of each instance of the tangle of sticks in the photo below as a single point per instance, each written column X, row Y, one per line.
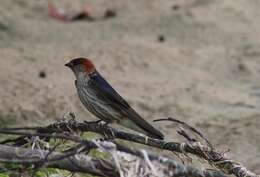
column 123, row 161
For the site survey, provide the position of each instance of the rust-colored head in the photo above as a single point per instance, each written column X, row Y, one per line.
column 82, row 63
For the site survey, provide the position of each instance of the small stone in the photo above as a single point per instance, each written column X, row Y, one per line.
column 110, row 13
column 175, row 7
column 42, row 74
column 161, row 38
column 241, row 67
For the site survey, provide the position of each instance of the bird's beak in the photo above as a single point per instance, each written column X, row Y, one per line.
column 68, row 64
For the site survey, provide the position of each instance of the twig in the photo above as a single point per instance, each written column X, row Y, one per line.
column 188, row 127
column 76, row 163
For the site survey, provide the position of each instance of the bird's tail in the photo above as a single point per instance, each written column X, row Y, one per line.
column 135, row 122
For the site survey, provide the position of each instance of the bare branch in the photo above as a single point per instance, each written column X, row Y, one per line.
column 214, row 157
column 87, row 164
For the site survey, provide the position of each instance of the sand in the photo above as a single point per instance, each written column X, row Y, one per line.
column 205, row 72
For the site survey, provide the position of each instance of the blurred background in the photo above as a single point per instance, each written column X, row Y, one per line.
column 195, row 60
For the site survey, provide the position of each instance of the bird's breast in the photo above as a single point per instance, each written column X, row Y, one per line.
column 95, row 104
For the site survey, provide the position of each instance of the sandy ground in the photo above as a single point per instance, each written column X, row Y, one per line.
column 206, row 72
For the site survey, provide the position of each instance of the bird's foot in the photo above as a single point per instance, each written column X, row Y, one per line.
column 108, row 134
column 104, row 123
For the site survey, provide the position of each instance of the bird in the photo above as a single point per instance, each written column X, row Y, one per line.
column 103, row 101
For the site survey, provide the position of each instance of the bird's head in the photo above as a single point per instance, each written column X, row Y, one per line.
column 81, row 66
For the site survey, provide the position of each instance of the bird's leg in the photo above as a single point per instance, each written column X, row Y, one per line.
column 108, row 135
column 108, row 132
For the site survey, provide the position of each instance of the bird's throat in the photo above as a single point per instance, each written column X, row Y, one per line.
column 82, row 77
